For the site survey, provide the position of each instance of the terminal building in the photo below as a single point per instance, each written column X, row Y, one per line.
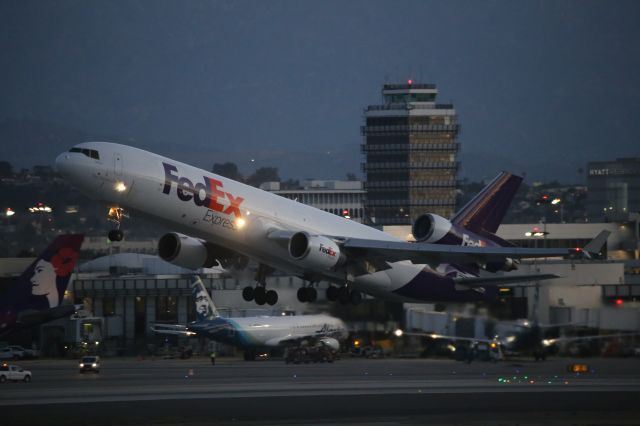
column 410, row 147
column 339, row 197
column 614, row 189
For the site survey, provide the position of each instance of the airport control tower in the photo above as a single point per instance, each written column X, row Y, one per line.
column 410, row 155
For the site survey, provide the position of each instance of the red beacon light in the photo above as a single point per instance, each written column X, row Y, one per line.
column 619, row 302
column 410, row 82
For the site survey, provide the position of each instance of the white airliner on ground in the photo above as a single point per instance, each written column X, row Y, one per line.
column 258, row 333
column 223, row 220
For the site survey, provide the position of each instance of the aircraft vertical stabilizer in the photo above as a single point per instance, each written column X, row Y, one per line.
column 487, row 209
column 205, row 309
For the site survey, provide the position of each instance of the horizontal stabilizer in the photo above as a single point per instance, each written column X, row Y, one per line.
column 502, row 280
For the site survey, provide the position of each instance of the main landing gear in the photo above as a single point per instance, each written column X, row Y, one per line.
column 307, row 294
column 116, row 215
column 344, row 295
column 260, row 293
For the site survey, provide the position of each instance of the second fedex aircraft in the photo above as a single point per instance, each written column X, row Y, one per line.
column 220, row 220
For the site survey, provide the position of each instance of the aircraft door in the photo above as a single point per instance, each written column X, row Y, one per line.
column 117, row 164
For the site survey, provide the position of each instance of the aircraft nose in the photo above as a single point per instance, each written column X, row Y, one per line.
column 61, row 164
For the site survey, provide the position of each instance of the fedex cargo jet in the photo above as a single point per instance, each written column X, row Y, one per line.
column 220, row 220
column 36, row 296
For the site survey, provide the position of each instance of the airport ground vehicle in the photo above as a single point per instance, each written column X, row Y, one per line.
column 9, row 353
column 24, row 352
column 14, row 373
column 89, row 363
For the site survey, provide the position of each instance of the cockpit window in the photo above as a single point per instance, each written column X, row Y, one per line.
column 91, row 153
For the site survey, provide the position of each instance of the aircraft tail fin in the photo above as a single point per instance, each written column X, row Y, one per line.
column 595, row 246
column 51, row 271
column 205, row 309
column 487, row 209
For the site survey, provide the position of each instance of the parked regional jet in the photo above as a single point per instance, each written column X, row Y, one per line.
column 36, row 296
column 255, row 333
column 223, row 220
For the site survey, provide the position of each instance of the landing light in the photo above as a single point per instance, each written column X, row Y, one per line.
column 120, row 187
column 240, row 223
column 398, row 333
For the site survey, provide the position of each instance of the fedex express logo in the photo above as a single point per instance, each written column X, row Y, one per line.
column 207, row 194
column 469, row 242
column 327, row 250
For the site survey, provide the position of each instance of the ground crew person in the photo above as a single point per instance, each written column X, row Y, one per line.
column 213, row 358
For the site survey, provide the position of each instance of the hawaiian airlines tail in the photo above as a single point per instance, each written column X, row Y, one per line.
column 36, row 296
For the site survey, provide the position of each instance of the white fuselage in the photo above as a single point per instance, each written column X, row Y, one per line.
column 234, row 215
column 271, row 331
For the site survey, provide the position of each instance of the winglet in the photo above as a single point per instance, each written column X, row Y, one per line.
column 595, row 246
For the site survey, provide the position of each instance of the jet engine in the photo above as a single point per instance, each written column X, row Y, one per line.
column 315, row 251
column 330, row 342
column 430, row 228
column 508, row 265
column 193, row 253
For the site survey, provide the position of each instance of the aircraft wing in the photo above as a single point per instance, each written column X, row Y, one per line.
column 549, row 342
column 176, row 329
column 502, row 281
column 448, row 337
column 426, row 253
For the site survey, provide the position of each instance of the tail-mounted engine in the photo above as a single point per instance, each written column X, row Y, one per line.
column 430, row 228
column 192, row 253
column 315, row 251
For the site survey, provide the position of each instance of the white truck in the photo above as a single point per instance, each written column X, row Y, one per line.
column 14, row 373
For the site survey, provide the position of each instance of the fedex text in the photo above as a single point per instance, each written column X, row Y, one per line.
column 209, row 194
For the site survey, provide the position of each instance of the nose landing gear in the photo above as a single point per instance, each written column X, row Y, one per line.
column 116, row 215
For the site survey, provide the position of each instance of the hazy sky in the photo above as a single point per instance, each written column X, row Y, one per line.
column 539, row 86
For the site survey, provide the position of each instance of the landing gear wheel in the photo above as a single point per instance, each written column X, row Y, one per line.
column 248, row 294
column 260, row 295
column 271, row 297
column 332, row 293
column 343, row 296
column 355, row 297
column 115, row 235
column 312, row 294
column 302, row 294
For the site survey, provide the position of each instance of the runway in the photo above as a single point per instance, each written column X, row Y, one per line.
column 408, row 391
